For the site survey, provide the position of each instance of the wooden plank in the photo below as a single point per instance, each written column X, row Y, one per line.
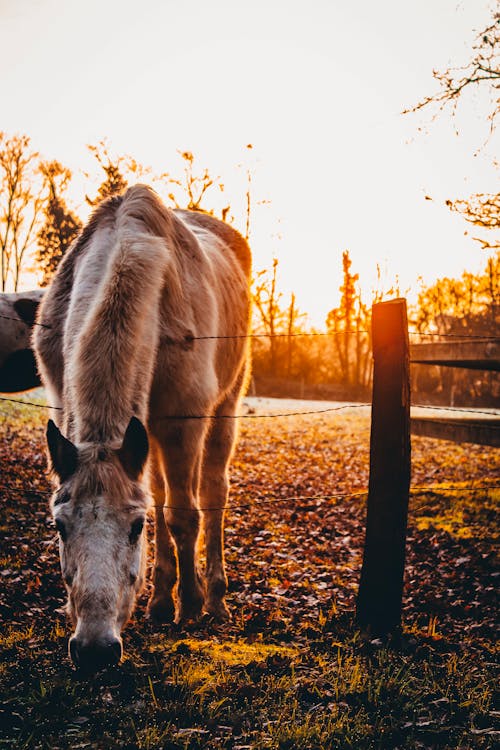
column 474, row 355
column 479, row 431
column 381, row 583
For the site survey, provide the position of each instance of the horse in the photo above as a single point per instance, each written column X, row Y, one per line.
column 18, row 371
column 143, row 351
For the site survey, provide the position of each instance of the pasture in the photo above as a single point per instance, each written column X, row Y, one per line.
column 290, row 670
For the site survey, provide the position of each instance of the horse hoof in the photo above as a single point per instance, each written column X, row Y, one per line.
column 189, row 612
column 161, row 611
column 218, row 611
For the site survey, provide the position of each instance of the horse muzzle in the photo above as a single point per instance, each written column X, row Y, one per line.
column 96, row 655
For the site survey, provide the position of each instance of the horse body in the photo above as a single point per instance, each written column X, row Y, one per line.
column 136, row 312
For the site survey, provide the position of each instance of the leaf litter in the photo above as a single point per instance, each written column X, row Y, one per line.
column 291, row 669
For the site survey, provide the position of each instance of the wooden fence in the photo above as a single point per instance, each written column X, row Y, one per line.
column 381, row 584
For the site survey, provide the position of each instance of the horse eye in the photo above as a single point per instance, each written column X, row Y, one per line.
column 135, row 530
column 61, row 528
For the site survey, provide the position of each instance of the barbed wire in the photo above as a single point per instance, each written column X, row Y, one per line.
column 20, row 320
column 211, row 416
column 301, row 334
column 262, row 500
column 28, row 403
column 471, row 411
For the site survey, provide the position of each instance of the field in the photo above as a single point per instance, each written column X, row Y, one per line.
column 291, row 670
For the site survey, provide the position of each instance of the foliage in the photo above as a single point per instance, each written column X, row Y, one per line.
column 60, row 226
column 114, row 181
column 468, row 305
column 118, row 170
column 20, row 204
column 291, row 672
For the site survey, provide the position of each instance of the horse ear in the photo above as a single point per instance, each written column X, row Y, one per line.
column 26, row 309
column 134, row 450
column 63, row 454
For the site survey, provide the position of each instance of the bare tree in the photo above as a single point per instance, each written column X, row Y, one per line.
column 482, row 210
column 194, row 186
column 266, row 299
column 482, row 70
column 20, row 204
column 349, row 323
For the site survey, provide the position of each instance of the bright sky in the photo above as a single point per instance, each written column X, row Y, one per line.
column 316, row 87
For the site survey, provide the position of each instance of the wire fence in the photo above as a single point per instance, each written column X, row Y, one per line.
column 262, row 500
column 297, row 498
column 300, row 334
column 471, row 411
column 435, row 489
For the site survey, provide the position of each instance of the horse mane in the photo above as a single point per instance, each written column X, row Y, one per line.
column 116, row 346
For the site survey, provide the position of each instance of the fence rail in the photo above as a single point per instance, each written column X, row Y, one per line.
column 459, row 430
column 473, row 355
column 482, row 354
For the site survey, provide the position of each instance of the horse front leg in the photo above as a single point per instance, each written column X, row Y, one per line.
column 182, row 450
column 161, row 605
column 214, row 490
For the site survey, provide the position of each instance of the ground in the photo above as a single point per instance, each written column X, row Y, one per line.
column 291, row 670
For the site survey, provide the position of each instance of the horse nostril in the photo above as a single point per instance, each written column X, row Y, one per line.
column 74, row 651
column 95, row 656
column 116, row 650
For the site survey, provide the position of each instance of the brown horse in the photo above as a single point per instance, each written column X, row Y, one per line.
column 145, row 355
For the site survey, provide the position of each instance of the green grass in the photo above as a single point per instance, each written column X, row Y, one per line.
column 178, row 692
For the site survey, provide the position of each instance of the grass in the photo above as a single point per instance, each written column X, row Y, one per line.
column 345, row 693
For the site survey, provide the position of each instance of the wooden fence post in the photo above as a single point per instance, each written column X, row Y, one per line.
column 381, row 584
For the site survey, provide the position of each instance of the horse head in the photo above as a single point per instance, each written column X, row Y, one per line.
column 99, row 509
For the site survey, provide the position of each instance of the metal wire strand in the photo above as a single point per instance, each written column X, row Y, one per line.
column 417, row 490
column 304, row 334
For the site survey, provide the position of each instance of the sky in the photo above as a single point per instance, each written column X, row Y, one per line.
column 316, row 87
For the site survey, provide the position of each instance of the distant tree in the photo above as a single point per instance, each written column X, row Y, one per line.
column 114, row 182
column 292, row 314
column 60, row 225
column 349, row 322
column 468, row 305
column 270, row 315
column 20, row 204
column 464, row 306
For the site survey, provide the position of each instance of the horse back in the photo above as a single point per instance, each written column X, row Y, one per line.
column 229, row 236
